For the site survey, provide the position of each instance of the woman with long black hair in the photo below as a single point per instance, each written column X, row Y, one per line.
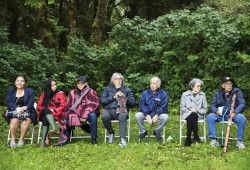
column 50, row 107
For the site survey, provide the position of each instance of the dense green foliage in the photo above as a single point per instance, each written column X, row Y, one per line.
column 176, row 47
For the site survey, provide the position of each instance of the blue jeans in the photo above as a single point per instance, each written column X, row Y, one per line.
column 239, row 119
column 92, row 119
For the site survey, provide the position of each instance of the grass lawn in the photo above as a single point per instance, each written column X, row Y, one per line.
column 80, row 154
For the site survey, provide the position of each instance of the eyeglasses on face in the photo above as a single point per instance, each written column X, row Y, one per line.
column 118, row 78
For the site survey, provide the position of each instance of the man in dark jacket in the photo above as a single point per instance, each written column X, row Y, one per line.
column 113, row 97
column 222, row 104
column 153, row 108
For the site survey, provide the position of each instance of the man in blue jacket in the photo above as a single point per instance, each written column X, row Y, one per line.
column 153, row 108
column 223, row 99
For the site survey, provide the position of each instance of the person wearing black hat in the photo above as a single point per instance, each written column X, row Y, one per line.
column 87, row 109
column 222, row 104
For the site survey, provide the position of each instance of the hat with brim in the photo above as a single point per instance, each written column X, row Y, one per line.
column 226, row 79
column 82, row 79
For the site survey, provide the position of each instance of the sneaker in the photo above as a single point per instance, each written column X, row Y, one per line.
column 123, row 143
column 20, row 143
column 197, row 138
column 93, row 141
column 143, row 135
column 12, row 144
column 240, row 144
column 111, row 138
column 157, row 135
column 214, row 143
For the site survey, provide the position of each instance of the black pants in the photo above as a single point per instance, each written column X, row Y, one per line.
column 192, row 124
column 43, row 118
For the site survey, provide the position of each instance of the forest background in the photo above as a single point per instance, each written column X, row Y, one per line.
column 176, row 40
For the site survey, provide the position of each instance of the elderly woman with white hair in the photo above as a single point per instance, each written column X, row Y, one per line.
column 110, row 99
column 193, row 105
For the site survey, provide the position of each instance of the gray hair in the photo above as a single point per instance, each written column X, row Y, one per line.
column 194, row 81
column 114, row 75
column 158, row 79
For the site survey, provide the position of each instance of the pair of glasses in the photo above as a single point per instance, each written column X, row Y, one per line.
column 117, row 78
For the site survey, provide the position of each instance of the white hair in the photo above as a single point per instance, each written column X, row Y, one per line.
column 157, row 78
column 115, row 75
column 194, row 81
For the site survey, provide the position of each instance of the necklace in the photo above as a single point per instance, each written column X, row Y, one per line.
column 19, row 93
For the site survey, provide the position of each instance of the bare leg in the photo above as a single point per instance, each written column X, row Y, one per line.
column 24, row 127
column 14, row 122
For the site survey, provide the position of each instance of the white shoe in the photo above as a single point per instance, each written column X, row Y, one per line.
column 240, row 144
column 123, row 143
column 214, row 143
column 111, row 138
column 20, row 143
column 12, row 144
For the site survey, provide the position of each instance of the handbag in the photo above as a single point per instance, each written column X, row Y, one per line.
column 74, row 120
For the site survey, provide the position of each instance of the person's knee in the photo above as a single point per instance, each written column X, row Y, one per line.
column 241, row 119
column 92, row 116
column 105, row 116
column 122, row 117
column 210, row 117
column 138, row 116
column 164, row 118
column 14, row 121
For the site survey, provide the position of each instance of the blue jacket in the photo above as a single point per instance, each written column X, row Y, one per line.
column 29, row 99
column 219, row 100
column 109, row 102
column 151, row 104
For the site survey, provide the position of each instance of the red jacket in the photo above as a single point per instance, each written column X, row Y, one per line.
column 59, row 97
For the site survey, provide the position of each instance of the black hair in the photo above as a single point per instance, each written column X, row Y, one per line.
column 23, row 76
column 48, row 93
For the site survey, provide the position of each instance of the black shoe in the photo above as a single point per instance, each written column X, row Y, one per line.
column 143, row 135
column 188, row 142
column 93, row 141
column 157, row 135
column 197, row 139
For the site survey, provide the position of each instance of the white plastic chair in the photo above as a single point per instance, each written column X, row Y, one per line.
column 203, row 124
column 40, row 133
column 225, row 127
column 116, row 121
column 31, row 130
column 77, row 137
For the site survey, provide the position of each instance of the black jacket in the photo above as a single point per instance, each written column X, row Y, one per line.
column 108, row 100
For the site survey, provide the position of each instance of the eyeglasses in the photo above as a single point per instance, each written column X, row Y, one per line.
column 118, row 78
column 80, row 83
column 229, row 83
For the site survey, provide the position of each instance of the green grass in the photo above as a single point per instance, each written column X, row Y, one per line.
column 80, row 154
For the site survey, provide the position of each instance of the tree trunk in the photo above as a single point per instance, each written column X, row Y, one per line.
column 44, row 29
column 70, row 7
column 99, row 22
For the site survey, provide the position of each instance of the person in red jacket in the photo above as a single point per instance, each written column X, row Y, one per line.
column 50, row 107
